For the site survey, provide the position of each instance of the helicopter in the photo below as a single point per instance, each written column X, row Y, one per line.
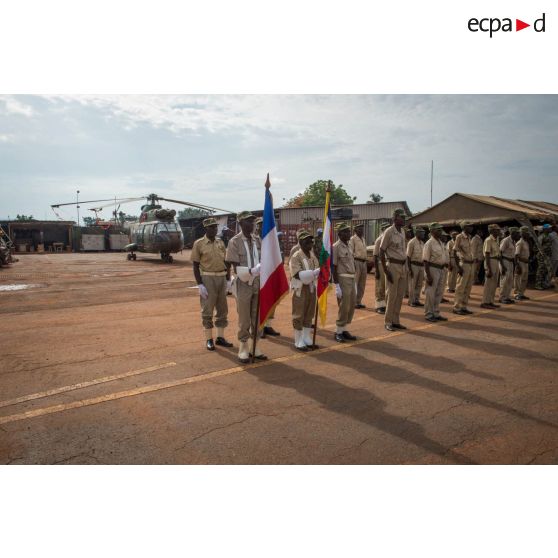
column 156, row 232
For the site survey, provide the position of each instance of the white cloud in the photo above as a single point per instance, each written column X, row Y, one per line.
column 13, row 106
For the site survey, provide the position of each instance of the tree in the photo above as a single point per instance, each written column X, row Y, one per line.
column 89, row 221
column 190, row 212
column 315, row 195
column 24, row 218
column 375, row 198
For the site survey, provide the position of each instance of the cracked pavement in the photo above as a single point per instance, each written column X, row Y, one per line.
column 476, row 390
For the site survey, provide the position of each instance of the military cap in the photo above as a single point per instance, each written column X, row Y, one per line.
column 209, row 222
column 493, row 227
column 359, row 226
column 399, row 212
column 259, row 220
column 524, row 229
column 464, row 224
column 303, row 235
column 513, row 229
column 384, row 226
column 435, row 226
column 342, row 227
column 419, row 230
column 244, row 215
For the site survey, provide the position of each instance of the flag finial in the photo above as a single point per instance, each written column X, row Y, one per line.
column 267, row 182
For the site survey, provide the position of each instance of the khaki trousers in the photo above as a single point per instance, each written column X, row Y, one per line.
column 434, row 293
column 491, row 283
column 520, row 281
column 347, row 303
column 380, row 288
column 506, row 281
column 246, row 306
column 464, row 286
column 304, row 307
column 216, row 301
column 395, row 292
column 415, row 283
column 452, row 278
column 360, row 280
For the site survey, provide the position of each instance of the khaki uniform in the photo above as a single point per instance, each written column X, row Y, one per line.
column 304, row 296
column 507, row 249
column 294, row 249
column 380, row 284
column 522, row 252
column 492, row 247
column 246, row 293
column 345, row 266
column 465, row 251
column 358, row 248
column 393, row 244
column 436, row 253
column 211, row 257
column 414, row 253
column 452, row 275
column 478, row 254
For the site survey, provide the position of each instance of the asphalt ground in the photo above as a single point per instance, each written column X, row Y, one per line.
column 103, row 361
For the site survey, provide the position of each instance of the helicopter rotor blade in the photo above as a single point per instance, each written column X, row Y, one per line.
column 197, row 205
column 124, row 200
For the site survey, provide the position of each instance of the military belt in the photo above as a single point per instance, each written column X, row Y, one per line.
column 214, row 273
column 508, row 259
column 468, row 261
column 523, row 260
column 420, row 264
column 438, row 266
column 393, row 260
column 360, row 260
column 351, row 275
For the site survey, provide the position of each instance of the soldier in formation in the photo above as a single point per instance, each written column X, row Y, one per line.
column 435, row 256
column 416, row 267
column 380, row 286
column 522, row 254
column 464, row 258
column 357, row 244
column 452, row 268
column 492, row 257
column 507, row 250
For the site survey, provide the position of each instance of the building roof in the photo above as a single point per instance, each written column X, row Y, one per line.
column 484, row 209
column 40, row 223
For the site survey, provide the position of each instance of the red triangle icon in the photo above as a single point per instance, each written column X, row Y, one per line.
column 519, row 25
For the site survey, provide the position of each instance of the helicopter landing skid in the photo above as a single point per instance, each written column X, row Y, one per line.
column 167, row 258
column 131, row 256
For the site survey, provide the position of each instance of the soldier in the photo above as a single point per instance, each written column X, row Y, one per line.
column 492, row 258
column 243, row 253
column 452, row 268
column 392, row 250
column 296, row 247
column 507, row 249
column 212, row 276
column 267, row 329
column 304, row 268
column 464, row 258
column 479, row 256
column 522, row 252
column 357, row 244
column 416, row 267
column 544, row 260
column 435, row 256
column 343, row 272
column 409, row 235
column 379, row 275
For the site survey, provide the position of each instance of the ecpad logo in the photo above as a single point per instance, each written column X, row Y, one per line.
column 493, row 25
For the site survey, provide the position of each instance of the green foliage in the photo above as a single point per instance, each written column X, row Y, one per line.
column 375, row 198
column 315, row 194
column 89, row 221
column 24, row 218
column 190, row 212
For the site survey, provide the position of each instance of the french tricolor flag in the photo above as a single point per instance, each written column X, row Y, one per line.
column 273, row 279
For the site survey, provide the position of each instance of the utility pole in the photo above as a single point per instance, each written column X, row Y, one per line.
column 431, row 181
column 77, row 205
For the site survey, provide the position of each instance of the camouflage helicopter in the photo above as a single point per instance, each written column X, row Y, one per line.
column 157, row 231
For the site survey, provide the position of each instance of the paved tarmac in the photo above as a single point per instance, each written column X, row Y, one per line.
column 103, row 361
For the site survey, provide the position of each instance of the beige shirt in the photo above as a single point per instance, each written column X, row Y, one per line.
column 522, row 249
column 414, row 249
column 209, row 254
column 358, row 247
column 507, row 248
column 491, row 247
column 236, row 250
column 343, row 258
column 393, row 244
column 294, row 249
column 477, row 247
column 435, row 252
column 451, row 246
column 296, row 263
column 377, row 245
column 464, row 247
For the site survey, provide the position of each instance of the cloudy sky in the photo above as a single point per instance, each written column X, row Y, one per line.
column 216, row 149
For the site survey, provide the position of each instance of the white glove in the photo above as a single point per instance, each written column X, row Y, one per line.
column 338, row 291
column 203, row 291
column 229, row 284
column 317, row 272
column 255, row 271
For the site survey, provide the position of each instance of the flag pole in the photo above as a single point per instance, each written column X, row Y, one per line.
column 255, row 327
column 328, row 190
